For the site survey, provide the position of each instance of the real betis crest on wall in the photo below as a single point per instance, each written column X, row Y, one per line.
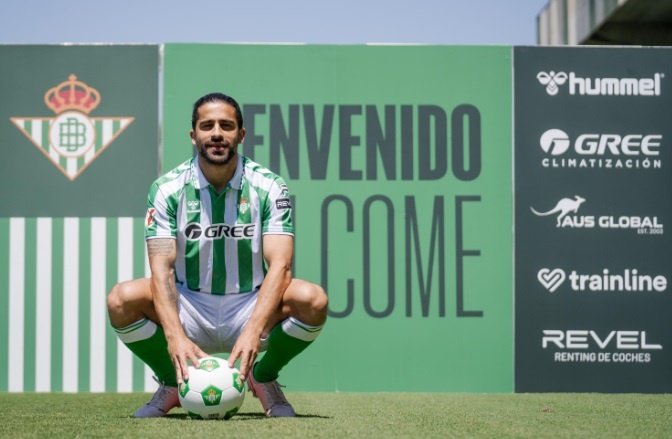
column 72, row 139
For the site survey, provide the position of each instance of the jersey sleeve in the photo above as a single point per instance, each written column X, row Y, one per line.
column 277, row 212
column 161, row 219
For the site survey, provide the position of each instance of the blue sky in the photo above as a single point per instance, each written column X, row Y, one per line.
column 485, row 22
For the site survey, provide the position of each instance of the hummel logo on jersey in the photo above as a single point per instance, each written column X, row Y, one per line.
column 193, row 206
column 195, row 231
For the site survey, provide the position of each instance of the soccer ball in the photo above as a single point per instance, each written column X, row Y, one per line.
column 213, row 391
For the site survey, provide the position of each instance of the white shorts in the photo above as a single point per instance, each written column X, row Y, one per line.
column 212, row 321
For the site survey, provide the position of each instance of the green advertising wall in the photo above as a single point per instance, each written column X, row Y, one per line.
column 399, row 159
column 399, row 162
column 79, row 134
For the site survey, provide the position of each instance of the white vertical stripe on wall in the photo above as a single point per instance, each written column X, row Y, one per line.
column 17, row 252
column 124, row 273
column 43, row 304
column 108, row 130
column 98, row 363
column 71, row 166
column 36, row 131
column 70, row 304
column 150, row 384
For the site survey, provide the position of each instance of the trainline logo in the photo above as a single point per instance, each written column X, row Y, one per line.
column 629, row 280
column 600, row 86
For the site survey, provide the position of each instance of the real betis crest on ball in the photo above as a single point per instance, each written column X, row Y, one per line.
column 72, row 139
column 208, row 365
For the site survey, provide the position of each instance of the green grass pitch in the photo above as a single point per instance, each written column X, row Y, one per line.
column 350, row 415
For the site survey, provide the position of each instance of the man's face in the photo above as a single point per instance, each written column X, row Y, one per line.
column 217, row 134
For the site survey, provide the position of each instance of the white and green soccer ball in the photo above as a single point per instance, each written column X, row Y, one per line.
column 213, row 391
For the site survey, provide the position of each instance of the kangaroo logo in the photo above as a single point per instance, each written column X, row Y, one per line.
column 564, row 207
column 552, row 80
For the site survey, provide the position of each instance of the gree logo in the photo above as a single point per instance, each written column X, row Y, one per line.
column 195, row 231
column 554, row 142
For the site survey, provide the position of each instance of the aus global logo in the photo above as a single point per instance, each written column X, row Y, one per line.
column 72, row 139
column 566, row 213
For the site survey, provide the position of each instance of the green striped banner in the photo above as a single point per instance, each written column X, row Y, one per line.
column 54, row 330
column 36, row 129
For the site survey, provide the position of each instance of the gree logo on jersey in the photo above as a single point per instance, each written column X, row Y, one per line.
column 195, row 231
column 72, row 140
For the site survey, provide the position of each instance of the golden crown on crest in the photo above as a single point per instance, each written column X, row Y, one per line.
column 72, row 95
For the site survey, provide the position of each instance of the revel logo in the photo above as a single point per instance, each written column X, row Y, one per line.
column 599, row 150
column 588, row 339
column 600, row 86
column 195, row 231
column 644, row 225
column 630, row 280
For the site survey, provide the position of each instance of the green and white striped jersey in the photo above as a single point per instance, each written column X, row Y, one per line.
column 219, row 236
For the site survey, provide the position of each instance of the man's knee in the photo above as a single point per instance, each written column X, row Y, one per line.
column 118, row 296
column 128, row 300
column 319, row 299
column 310, row 302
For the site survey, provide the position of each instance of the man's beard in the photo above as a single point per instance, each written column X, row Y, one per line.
column 228, row 153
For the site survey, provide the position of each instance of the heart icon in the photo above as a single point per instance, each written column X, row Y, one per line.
column 551, row 279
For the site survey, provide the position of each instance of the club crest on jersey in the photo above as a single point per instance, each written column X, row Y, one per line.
column 244, row 206
column 72, row 139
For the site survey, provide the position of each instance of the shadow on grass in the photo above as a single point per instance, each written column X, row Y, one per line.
column 245, row 416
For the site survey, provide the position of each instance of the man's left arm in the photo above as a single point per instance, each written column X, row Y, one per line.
column 278, row 252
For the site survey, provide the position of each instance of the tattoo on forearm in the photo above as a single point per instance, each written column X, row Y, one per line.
column 172, row 294
column 160, row 247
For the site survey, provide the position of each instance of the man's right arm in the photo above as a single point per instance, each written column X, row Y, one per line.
column 162, row 253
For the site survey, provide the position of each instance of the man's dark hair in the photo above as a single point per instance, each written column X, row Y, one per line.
column 214, row 97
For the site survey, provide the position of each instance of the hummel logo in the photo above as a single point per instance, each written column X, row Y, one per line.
column 552, row 80
column 193, row 206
